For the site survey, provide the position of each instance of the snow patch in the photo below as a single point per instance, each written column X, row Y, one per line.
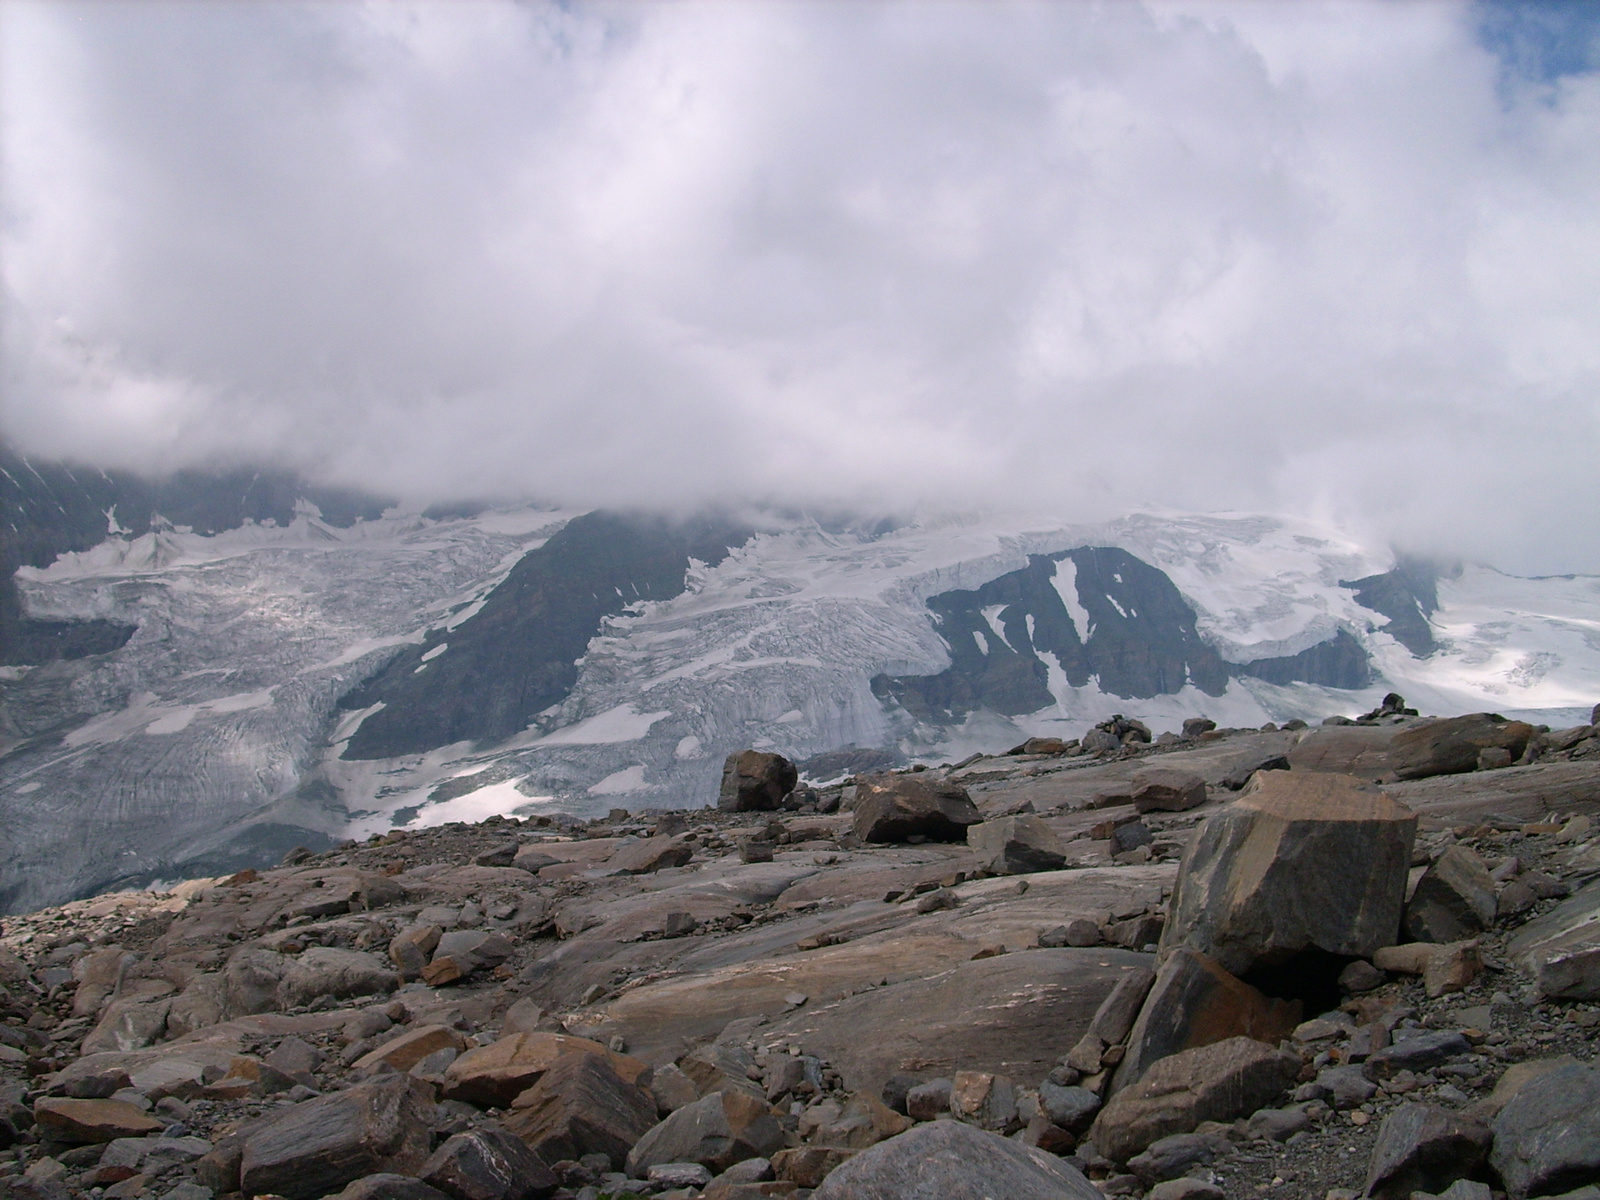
column 688, row 747
column 435, row 652
column 618, row 783
column 623, row 723
column 1065, row 581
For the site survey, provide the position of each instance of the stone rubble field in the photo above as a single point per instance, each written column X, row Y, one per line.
column 1357, row 960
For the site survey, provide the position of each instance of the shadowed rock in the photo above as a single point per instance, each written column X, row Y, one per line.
column 753, row 781
column 892, row 808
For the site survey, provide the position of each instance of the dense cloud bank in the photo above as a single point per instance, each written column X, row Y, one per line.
column 1339, row 260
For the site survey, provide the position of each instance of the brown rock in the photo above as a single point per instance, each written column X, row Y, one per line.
column 411, row 1047
column 581, row 1105
column 1195, row 1002
column 650, row 854
column 75, row 1121
column 951, row 1159
column 863, row 1121
column 411, row 948
column 1561, row 949
column 1453, row 900
column 1167, row 789
column 493, row 1076
column 756, row 782
column 892, row 808
column 1452, row 745
column 808, row 1166
column 317, row 1146
column 1218, row 1082
column 1422, row 1148
column 386, row 1185
column 1298, row 861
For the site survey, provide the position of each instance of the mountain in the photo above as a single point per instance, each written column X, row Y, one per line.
column 277, row 677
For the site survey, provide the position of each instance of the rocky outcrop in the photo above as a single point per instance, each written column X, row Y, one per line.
column 1452, row 745
column 1299, row 861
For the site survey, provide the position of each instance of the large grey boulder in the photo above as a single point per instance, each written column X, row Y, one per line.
column 1218, row 1082
column 1547, row 1137
column 716, row 1131
column 332, row 971
column 1299, row 861
column 1016, row 845
column 1422, row 1148
column 1454, row 899
column 318, row 1146
column 1194, row 1002
column 754, row 781
column 942, row 1160
column 1561, row 949
column 893, row 808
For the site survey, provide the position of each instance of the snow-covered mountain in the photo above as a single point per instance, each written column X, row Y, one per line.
column 302, row 682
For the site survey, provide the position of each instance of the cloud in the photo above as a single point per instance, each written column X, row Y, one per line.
column 1339, row 259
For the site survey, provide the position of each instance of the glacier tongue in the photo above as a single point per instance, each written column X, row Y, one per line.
column 213, row 738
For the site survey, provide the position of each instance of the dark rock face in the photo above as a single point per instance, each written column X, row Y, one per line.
column 1408, row 596
column 1339, row 662
column 518, row 654
column 1141, row 639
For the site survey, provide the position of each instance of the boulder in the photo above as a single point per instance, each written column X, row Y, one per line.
column 493, row 1076
column 411, row 1047
column 98, row 973
column 893, row 808
column 533, row 860
column 77, row 1121
column 474, row 949
column 1195, row 1002
column 1561, row 949
column 951, row 1159
column 1422, row 1148
column 1117, row 1012
column 1416, row 1053
column 410, row 949
column 1193, row 727
column 385, row 1186
column 1173, row 1155
column 986, row 1100
column 1016, row 846
column 1299, row 861
column 753, row 781
column 1072, row 1108
column 863, row 1121
column 716, row 1131
column 650, row 854
column 1217, row 1082
column 332, row 971
column 317, row 1146
column 926, row 1101
column 1454, row 899
column 1239, row 778
column 488, row 1163
column 583, row 1105
column 1167, row 789
column 1547, row 1137
column 1451, row 745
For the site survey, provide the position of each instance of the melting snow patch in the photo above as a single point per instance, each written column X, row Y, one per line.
column 1066, row 585
column 436, row 651
column 619, row 724
column 688, row 747
column 629, row 779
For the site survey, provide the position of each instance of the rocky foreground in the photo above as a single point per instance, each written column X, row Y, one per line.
column 1375, row 971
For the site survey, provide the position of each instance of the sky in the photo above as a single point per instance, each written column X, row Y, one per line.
column 1339, row 260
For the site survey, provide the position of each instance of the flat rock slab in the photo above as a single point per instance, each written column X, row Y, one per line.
column 949, row 1159
column 92, row 1120
column 1298, row 861
column 1528, row 794
column 1012, row 1015
column 1561, row 949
